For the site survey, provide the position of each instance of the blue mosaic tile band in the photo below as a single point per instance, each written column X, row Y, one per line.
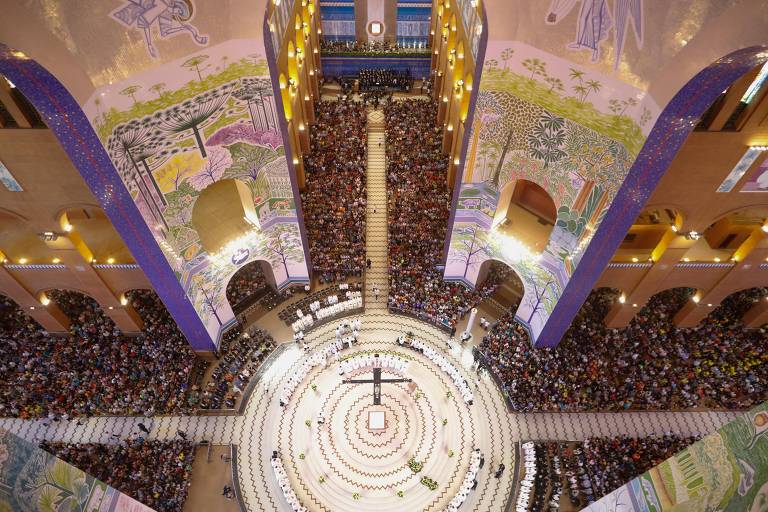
column 674, row 124
column 69, row 124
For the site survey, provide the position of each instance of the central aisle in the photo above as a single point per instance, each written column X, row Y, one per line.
column 376, row 217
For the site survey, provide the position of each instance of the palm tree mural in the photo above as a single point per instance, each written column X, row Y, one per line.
column 158, row 89
column 535, row 66
column 131, row 91
column 194, row 63
column 506, row 55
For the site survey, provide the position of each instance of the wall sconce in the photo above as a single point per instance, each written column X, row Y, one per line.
column 44, row 300
column 622, row 298
column 696, row 298
column 306, row 97
column 456, row 161
column 311, row 72
column 301, row 127
column 450, row 128
column 123, row 300
column 295, row 161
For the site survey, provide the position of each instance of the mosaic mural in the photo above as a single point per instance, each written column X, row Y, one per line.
column 177, row 129
column 539, row 118
column 726, row 471
column 33, row 480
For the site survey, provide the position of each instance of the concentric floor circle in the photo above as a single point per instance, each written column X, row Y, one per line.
column 344, row 463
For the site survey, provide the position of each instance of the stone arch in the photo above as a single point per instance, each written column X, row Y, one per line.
column 508, row 287
column 260, row 273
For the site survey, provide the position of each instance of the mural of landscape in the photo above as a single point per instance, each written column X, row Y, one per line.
column 33, row 480
column 727, row 471
column 183, row 126
column 538, row 118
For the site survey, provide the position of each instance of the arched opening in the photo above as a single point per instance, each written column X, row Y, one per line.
column 733, row 307
column 730, row 237
column 13, row 319
column 85, row 314
column 647, row 233
column 501, row 285
column 252, row 282
column 526, row 213
column 285, row 93
column 225, row 218
column 666, row 303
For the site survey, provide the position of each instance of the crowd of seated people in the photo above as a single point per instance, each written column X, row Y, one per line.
column 335, row 195
column 418, row 216
column 156, row 473
column 651, row 364
column 384, row 79
column 370, row 47
column 95, row 369
column 241, row 355
column 248, row 281
column 583, row 472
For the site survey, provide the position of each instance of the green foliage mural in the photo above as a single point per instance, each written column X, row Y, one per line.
column 725, row 471
column 178, row 129
column 546, row 120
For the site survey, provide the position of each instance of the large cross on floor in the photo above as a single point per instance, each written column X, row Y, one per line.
column 377, row 382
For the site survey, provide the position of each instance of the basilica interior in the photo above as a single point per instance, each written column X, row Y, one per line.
column 384, row 255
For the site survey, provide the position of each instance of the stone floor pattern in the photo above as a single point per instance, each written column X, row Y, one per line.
column 350, row 458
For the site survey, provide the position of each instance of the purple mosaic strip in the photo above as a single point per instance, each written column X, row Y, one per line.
column 674, row 124
column 69, row 124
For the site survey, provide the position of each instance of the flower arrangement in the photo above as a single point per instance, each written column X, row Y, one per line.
column 428, row 483
column 415, row 465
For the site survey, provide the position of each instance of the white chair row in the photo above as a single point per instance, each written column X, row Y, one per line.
column 285, row 486
column 386, row 361
column 468, row 483
column 302, row 323
column 447, row 367
column 336, row 309
column 526, row 484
